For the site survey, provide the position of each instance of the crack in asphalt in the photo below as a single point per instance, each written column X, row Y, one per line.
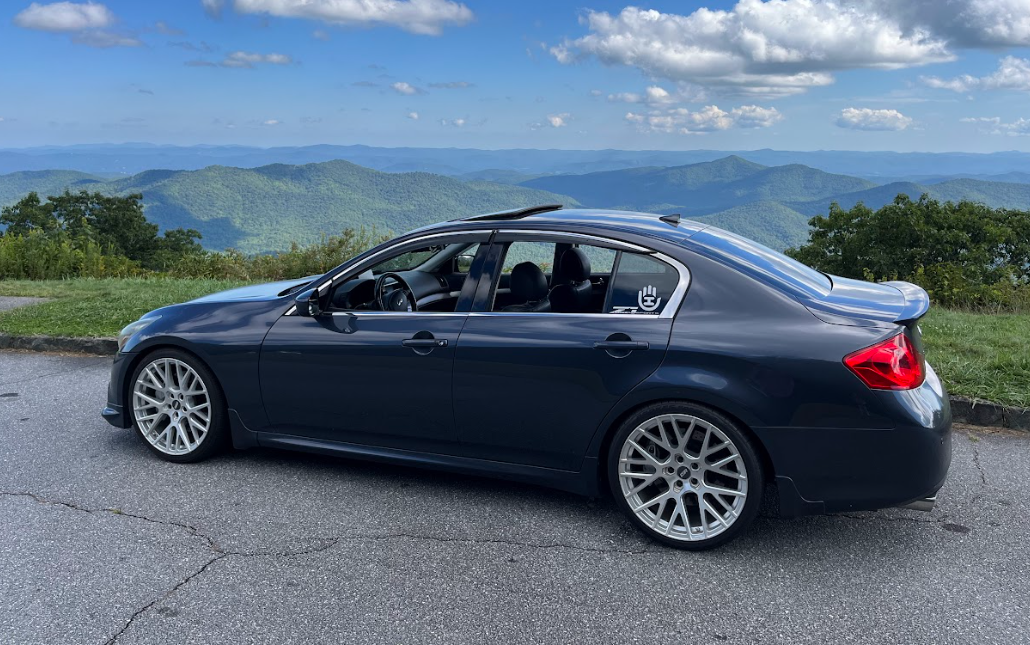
column 192, row 531
column 145, row 608
column 979, row 466
column 222, row 555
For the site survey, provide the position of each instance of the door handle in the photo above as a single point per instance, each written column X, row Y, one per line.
column 621, row 345
column 424, row 343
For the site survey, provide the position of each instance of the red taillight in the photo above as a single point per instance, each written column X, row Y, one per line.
column 893, row 364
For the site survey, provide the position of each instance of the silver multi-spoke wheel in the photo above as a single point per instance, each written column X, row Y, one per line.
column 682, row 477
column 172, row 406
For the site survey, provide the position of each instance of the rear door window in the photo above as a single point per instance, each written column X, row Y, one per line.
column 641, row 285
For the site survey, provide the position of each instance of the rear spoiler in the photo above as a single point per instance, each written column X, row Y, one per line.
column 917, row 301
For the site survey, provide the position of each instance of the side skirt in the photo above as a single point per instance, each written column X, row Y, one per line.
column 573, row 482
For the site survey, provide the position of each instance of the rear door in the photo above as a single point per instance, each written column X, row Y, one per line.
column 533, row 387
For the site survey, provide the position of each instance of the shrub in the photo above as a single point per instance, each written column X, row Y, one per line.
column 965, row 255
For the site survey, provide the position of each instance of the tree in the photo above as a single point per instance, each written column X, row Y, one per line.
column 29, row 215
column 962, row 252
column 116, row 224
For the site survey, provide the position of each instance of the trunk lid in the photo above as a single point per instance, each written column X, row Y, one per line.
column 855, row 302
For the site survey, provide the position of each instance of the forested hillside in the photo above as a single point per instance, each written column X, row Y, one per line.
column 266, row 208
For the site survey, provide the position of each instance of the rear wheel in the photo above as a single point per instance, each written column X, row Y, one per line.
column 685, row 475
column 177, row 407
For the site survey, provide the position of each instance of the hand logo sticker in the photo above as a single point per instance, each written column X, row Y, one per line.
column 648, row 298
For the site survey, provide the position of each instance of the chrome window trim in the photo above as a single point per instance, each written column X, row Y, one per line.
column 670, row 311
column 398, row 313
column 617, row 244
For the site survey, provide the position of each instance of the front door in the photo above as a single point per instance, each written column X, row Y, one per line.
column 371, row 370
column 377, row 378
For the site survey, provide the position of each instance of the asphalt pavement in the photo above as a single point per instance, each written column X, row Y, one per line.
column 102, row 542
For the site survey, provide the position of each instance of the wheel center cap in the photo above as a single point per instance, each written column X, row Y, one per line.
column 175, row 405
column 683, row 472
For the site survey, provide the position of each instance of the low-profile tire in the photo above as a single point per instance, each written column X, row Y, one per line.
column 685, row 475
column 177, row 407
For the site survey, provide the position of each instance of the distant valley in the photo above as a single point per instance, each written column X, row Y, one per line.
column 265, row 208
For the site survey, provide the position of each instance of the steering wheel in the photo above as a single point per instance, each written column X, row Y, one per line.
column 400, row 299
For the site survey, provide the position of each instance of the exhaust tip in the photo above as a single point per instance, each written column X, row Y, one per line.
column 926, row 504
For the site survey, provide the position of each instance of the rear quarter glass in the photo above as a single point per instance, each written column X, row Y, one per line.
column 642, row 285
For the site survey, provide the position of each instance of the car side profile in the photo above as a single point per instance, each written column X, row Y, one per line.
column 684, row 369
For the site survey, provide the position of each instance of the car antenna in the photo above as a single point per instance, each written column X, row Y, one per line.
column 673, row 219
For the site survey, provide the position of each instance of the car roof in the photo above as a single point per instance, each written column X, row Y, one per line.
column 671, row 228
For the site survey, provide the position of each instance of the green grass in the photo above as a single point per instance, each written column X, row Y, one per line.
column 985, row 356
column 88, row 307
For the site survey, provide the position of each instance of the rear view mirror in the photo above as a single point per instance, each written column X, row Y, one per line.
column 308, row 303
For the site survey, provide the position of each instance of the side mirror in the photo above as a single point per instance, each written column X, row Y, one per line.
column 308, row 303
column 463, row 263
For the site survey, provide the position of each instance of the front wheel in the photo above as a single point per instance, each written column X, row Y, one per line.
column 177, row 406
column 685, row 475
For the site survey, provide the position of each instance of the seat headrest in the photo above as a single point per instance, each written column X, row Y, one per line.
column 575, row 265
column 528, row 282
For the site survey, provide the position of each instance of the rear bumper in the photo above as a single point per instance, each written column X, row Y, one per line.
column 850, row 469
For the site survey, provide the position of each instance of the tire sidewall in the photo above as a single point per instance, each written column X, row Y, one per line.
column 217, row 434
column 741, row 440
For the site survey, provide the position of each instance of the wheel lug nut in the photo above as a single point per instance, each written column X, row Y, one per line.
column 693, row 482
column 694, row 466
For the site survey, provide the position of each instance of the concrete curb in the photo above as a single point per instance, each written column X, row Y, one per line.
column 974, row 412
column 93, row 346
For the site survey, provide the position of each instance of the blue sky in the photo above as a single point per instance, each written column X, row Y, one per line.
column 927, row 75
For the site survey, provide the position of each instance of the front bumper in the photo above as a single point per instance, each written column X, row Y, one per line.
column 115, row 410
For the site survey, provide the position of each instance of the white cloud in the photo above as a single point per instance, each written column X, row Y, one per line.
column 406, row 89
column 65, row 16
column 248, row 60
column 625, row 97
column 452, row 85
column 558, row 120
column 87, row 23
column 271, row 122
column 708, row 119
column 416, row 16
column 413, row 116
column 105, row 39
column 994, row 125
column 1012, row 74
column 783, row 47
column 213, row 8
column 873, row 120
column 164, row 28
column 596, row 92
column 653, row 95
column 320, row 34
column 457, row 123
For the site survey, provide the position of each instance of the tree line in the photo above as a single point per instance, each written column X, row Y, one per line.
column 964, row 254
column 92, row 235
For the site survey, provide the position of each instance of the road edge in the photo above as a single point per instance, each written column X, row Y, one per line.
column 65, row 344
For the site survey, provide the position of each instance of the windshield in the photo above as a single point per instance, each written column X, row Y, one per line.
column 408, row 261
